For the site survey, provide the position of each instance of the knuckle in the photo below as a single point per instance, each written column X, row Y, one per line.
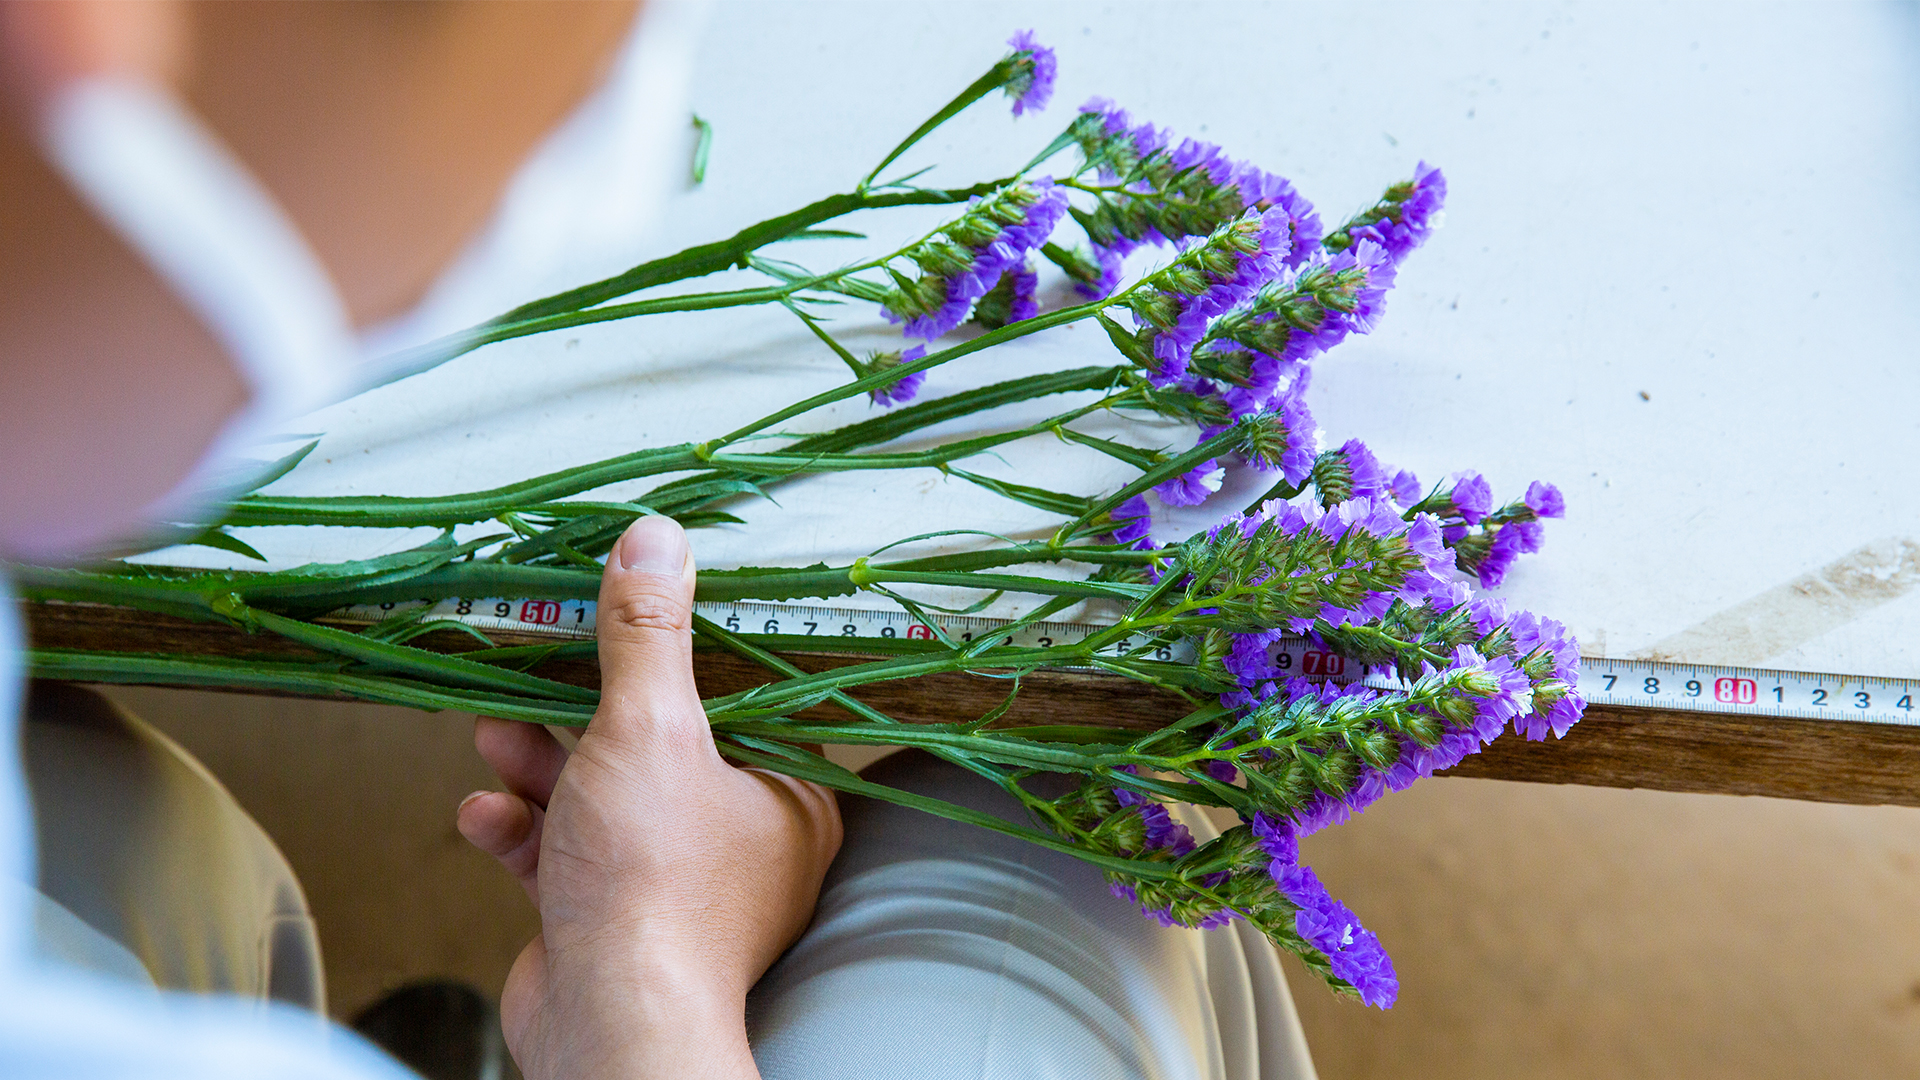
column 644, row 607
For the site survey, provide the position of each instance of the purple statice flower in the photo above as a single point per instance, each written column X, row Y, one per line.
column 1514, row 691
column 1472, row 497
column 1379, row 517
column 1544, row 500
column 1263, row 190
column 1326, row 299
column 1405, row 488
column 1367, row 303
column 1492, row 570
column 1559, row 717
column 1513, row 540
column 1403, row 219
column 1267, row 380
column 1303, row 438
column 1353, row 951
column 986, row 263
column 1328, row 925
column 1133, row 524
column 1534, row 635
column 1193, row 487
column 1026, row 286
column 902, row 391
column 1250, row 659
column 1032, row 84
column 1162, row 830
column 1487, row 613
column 1501, row 694
column 1289, row 415
column 1185, row 162
column 1222, row 771
column 1208, row 158
column 1110, row 269
column 1173, row 343
column 1367, row 477
column 1438, row 578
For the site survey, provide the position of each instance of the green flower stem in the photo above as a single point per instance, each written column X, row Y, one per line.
column 863, row 575
column 538, row 495
column 1083, row 759
column 995, row 78
column 192, row 594
column 823, row 772
column 906, row 419
column 691, row 263
column 1033, row 553
column 711, row 488
column 740, row 646
column 1223, row 443
column 433, row 667
column 81, row 666
column 778, row 694
column 227, row 673
column 1023, row 752
column 441, row 510
column 785, row 463
column 888, row 377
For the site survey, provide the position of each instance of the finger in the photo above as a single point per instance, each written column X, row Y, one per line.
column 647, row 696
column 526, row 757
column 508, row 828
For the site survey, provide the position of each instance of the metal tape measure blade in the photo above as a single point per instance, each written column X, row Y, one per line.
column 1631, row 683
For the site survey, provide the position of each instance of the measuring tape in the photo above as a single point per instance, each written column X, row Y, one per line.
column 1644, row 683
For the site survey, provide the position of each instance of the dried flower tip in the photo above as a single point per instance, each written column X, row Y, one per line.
column 1034, row 68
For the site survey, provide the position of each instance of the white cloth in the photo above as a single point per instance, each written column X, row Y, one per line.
column 944, row 951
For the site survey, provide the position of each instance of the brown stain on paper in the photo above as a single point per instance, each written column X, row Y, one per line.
column 1792, row 614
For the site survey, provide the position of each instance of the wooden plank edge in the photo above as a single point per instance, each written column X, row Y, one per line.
column 1658, row 749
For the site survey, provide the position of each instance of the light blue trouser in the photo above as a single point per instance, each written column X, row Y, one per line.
column 944, row 951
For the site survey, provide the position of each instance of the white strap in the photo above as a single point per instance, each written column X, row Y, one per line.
column 181, row 199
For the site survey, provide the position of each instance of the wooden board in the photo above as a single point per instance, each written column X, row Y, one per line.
column 1661, row 749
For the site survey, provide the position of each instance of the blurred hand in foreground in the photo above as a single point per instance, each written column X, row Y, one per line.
column 667, row 880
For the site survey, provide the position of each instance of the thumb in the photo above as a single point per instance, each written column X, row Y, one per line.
column 645, row 619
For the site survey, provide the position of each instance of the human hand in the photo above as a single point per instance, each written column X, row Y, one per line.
column 667, row 880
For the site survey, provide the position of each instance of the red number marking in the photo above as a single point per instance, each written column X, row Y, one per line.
column 920, row 632
column 540, row 612
column 1322, row 663
column 1735, row 691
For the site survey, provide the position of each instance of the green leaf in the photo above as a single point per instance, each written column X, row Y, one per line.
column 1051, row 501
column 312, row 680
column 824, row 234
column 705, row 519
column 432, row 667
column 702, row 146
column 1138, row 457
column 214, row 538
column 406, row 634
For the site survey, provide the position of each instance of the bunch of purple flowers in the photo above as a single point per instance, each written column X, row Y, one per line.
column 1369, row 566
column 1352, row 554
column 1365, row 579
